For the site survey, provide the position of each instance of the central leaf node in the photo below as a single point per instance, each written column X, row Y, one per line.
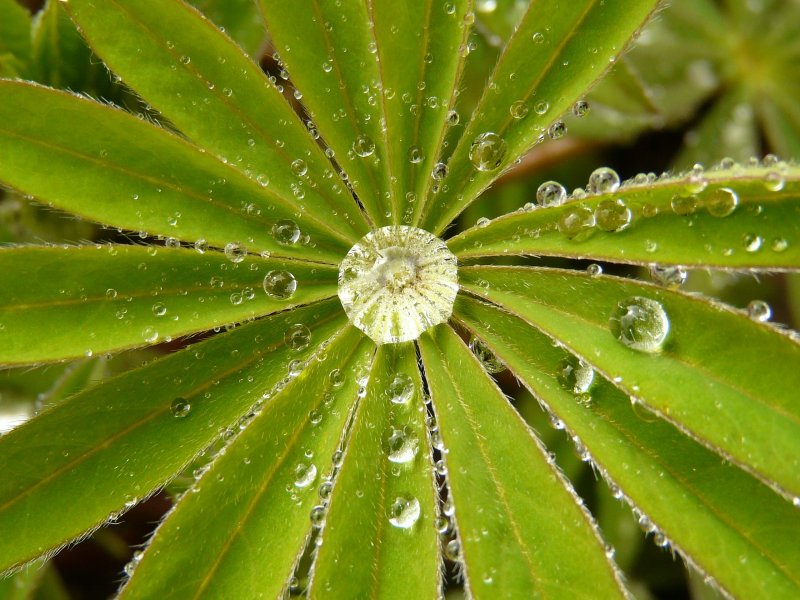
column 396, row 282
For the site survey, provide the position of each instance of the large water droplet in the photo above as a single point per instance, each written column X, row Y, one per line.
column 397, row 282
column 180, row 407
column 297, row 337
column 577, row 222
column 640, row 323
column 551, row 193
column 401, row 445
column 280, row 285
column 305, row 474
column 613, row 215
column 487, row 151
column 721, row 202
column 401, row 389
column 286, row 232
column 575, row 375
column 603, row 181
column 668, row 276
column 363, row 146
column 404, row 512
column 235, row 252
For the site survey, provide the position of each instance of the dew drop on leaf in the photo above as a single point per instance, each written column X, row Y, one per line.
column 439, row 171
column 280, row 285
column 297, row 337
column 304, row 474
column 551, row 193
column 580, row 108
column 640, row 323
column 180, row 407
column 758, row 310
column 557, row 130
column 721, row 202
column 317, row 516
column 684, row 205
column 235, row 252
column 404, row 512
column 575, row 375
column 577, row 222
column 401, row 389
column 603, row 181
column 668, row 276
column 401, row 445
column 613, row 215
column 299, row 167
column 286, row 232
column 487, row 151
column 363, row 146
column 518, row 109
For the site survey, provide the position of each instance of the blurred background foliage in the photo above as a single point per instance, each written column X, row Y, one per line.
column 705, row 81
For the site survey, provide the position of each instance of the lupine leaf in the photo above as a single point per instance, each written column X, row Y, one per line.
column 109, row 166
column 714, row 387
column 119, row 296
column 328, row 49
column 697, row 505
column 521, row 528
column 220, row 99
column 104, row 465
column 260, row 492
column 239, row 19
column 15, row 40
column 555, row 54
column 668, row 224
column 383, row 499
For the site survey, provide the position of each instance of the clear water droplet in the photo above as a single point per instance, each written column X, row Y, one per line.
column 577, row 222
column 603, row 181
column 305, row 474
column 363, row 146
column 439, row 171
column 721, row 202
column 684, row 205
column 401, row 389
column 758, row 310
column 297, row 337
column 551, row 193
column 668, row 276
column 613, row 215
column 404, row 512
column 235, row 252
column 594, row 270
column 401, row 445
column 487, row 151
column 180, row 407
column 580, row 108
column 518, row 109
column 575, row 375
column 299, row 167
column 640, row 323
column 280, row 285
column 286, row 232
column 415, row 155
column 557, row 130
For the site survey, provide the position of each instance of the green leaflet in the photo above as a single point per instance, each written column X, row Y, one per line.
column 699, row 505
column 260, row 491
column 518, row 520
column 383, row 507
column 667, row 221
column 15, row 41
column 107, row 165
column 115, row 443
column 715, row 387
column 221, row 100
column 89, row 300
column 538, row 77
column 239, row 19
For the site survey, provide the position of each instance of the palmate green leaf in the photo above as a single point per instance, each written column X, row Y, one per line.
column 557, row 52
column 661, row 221
column 220, row 99
column 383, row 507
column 239, row 19
column 731, row 526
column 107, row 447
column 522, row 531
column 109, row 166
column 15, row 40
column 253, row 504
column 86, row 300
column 708, row 378
column 419, row 76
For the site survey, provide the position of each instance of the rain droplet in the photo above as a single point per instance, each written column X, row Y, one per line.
column 453, row 550
column 305, row 474
column 286, row 232
column 613, row 215
column 758, row 310
column 752, row 242
column 439, row 171
column 640, row 323
column 557, row 130
column 401, row 389
column 180, row 407
column 317, row 516
column 580, row 108
column 551, row 193
column 721, row 202
column 594, row 270
column 201, row 246
column 299, row 167
column 575, row 375
column 336, row 378
column 518, row 109
column 684, row 205
column 363, row 146
column 577, row 222
column 280, row 285
column 490, row 362
column 235, row 252
column 159, row 309
column 452, row 118
column 668, row 276
column 404, row 512
column 487, row 151
column 297, row 337
column 603, row 181
column 149, row 335
column 401, row 445
column 415, row 155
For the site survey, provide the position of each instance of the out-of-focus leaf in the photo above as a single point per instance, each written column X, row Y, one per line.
column 221, row 100
column 260, row 492
column 521, row 529
column 742, row 218
column 692, row 502
column 154, row 421
column 702, row 369
column 92, row 299
column 383, row 508
column 15, row 38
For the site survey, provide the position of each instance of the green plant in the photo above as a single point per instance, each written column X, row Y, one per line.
column 686, row 406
